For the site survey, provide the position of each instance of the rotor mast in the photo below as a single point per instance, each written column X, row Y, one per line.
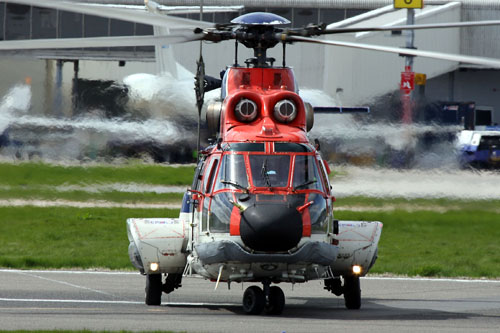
column 258, row 32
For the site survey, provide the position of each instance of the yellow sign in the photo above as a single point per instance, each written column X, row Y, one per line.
column 408, row 3
column 420, row 79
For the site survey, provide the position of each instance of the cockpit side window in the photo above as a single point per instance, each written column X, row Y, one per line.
column 198, row 175
column 232, row 173
column 324, row 175
column 209, row 175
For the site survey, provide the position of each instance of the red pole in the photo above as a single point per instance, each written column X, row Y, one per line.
column 408, row 76
column 407, row 86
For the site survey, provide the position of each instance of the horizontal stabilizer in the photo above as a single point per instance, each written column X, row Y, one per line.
column 341, row 109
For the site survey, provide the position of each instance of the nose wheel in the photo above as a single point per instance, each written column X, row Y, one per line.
column 271, row 300
column 276, row 301
column 254, row 300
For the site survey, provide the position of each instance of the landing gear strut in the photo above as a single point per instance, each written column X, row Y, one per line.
column 271, row 300
column 172, row 282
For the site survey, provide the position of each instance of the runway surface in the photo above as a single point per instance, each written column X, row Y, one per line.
column 115, row 301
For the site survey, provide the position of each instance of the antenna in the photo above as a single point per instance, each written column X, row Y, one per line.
column 284, row 54
column 235, row 53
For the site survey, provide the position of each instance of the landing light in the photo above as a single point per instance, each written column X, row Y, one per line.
column 154, row 266
column 356, row 269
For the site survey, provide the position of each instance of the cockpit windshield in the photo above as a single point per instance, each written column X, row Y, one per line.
column 243, row 171
column 270, row 170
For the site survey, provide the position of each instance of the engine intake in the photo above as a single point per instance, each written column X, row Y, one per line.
column 285, row 111
column 246, row 110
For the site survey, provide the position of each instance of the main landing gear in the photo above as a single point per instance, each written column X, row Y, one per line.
column 155, row 287
column 351, row 290
column 271, row 300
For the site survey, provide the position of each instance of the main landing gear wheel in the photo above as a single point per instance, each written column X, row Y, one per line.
column 275, row 301
column 153, row 289
column 352, row 292
column 254, row 300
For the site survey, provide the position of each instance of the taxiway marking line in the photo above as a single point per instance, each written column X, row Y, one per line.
column 84, row 301
column 6, row 270
column 430, row 279
column 366, row 277
column 66, row 301
column 64, row 283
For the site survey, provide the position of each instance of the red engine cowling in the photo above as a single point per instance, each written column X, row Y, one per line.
column 261, row 103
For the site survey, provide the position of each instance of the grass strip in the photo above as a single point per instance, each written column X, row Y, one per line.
column 112, row 196
column 30, row 173
column 443, row 203
column 452, row 244
column 33, row 237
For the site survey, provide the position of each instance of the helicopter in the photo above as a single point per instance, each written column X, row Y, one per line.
column 260, row 206
column 260, row 209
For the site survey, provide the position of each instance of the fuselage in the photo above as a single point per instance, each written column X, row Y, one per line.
column 260, row 207
column 263, row 192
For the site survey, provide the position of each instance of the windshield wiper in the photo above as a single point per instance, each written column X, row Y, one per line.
column 309, row 182
column 238, row 186
column 263, row 173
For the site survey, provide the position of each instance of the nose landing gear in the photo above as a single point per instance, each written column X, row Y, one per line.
column 276, row 301
column 254, row 300
column 271, row 300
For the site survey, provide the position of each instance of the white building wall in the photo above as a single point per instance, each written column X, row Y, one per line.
column 364, row 75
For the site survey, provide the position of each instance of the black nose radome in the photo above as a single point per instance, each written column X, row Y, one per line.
column 271, row 228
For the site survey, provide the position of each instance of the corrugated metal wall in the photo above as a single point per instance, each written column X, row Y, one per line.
column 359, row 4
column 481, row 41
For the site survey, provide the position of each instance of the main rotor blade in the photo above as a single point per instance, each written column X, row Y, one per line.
column 412, row 27
column 145, row 17
column 119, row 41
column 489, row 62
